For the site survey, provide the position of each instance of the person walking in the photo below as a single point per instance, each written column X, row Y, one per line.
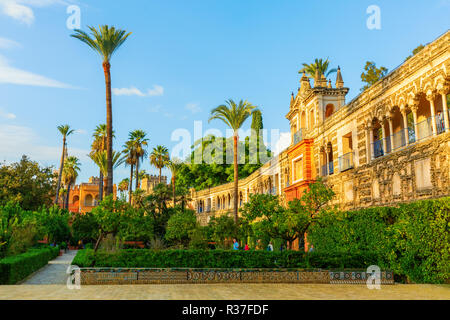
column 246, row 248
column 270, row 247
column 235, row 244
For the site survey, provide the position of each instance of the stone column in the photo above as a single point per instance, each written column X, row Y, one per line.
column 383, row 130
column 430, row 98
column 405, row 124
column 328, row 160
column 372, row 152
column 391, row 132
column 445, row 109
column 368, row 130
column 416, row 127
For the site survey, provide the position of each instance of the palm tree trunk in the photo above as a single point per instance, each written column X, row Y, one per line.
column 236, row 185
column 131, row 185
column 61, row 167
column 67, row 197
column 100, row 187
column 160, row 175
column 109, row 135
column 137, row 175
column 173, row 190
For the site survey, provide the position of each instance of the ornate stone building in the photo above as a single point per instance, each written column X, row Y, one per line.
column 390, row 144
column 85, row 196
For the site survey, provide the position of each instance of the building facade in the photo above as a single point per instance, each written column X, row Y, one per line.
column 388, row 145
column 85, row 196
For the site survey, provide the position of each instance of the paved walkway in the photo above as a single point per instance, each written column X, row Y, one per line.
column 54, row 272
column 226, row 292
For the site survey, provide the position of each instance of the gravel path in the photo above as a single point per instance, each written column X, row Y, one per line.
column 54, row 272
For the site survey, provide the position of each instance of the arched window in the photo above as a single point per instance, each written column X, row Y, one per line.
column 329, row 109
column 88, row 200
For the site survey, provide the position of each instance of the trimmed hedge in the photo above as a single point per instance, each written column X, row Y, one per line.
column 412, row 240
column 16, row 268
column 138, row 258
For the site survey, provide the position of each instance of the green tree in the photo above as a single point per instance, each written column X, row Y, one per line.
column 372, row 74
column 131, row 160
column 98, row 146
column 124, row 186
column 100, row 159
column 84, row 227
column 159, row 158
column 109, row 215
column 223, row 228
column 180, row 227
column 234, row 116
column 70, row 174
column 65, row 132
column 105, row 41
column 174, row 166
column 319, row 65
column 27, row 184
column 140, row 142
column 416, row 51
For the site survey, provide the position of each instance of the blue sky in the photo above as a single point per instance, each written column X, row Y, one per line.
column 183, row 59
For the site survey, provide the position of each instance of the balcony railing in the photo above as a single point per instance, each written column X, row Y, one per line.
column 399, row 139
column 378, row 148
column 323, row 170
column 411, row 135
column 330, row 168
column 346, row 161
column 424, row 129
column 440, row 125
column 298, row 136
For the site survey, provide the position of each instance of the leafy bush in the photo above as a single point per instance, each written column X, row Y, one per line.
column 413, row 240
column 84, row 227
column 135, row 258
column 180, row 227
column 16, row 268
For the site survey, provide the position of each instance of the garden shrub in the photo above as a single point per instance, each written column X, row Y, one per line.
column 16, row 268
column 135, row 258
column 412, row 240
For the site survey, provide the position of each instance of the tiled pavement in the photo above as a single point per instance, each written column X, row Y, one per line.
column 54, row 272
column 226, row 292
column 49, row 284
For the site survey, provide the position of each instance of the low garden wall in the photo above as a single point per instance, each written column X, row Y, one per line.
column 116, row 276
column 138, row 266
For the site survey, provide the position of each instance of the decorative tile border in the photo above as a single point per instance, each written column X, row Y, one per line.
column 103, row 276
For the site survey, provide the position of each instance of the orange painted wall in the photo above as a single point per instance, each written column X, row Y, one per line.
column 295, row 191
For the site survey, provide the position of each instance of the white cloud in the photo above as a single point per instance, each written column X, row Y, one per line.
column 193, row 107
column 21, row 10
column 8, row 44
column 16, row 141
column 156, row 91
column 155, row 109
column 6, row 115
column 81, row 131
column 283, row 142
column 11, row 75
column 133, row 91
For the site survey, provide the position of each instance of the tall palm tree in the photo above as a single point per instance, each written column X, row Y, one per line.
column 101, row 160
column 319, row 65
column 159, row 158
column 70, row 174
column 130, row 153
column 124, row 185
column 105, row 41
column 138, row 137
column 234, row 115
column 99, row 145
column 174, row 166
column 65, row 131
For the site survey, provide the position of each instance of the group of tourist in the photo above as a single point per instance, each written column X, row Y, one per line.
column 246, row 247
